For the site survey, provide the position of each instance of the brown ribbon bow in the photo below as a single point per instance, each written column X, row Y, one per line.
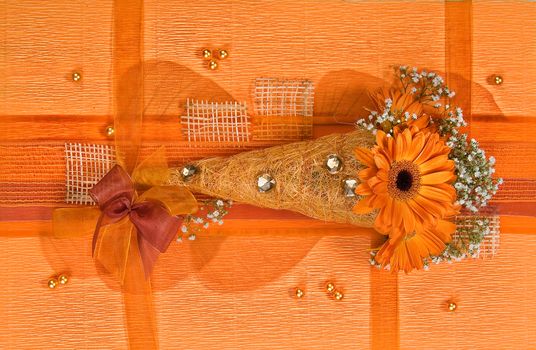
column 155, row 226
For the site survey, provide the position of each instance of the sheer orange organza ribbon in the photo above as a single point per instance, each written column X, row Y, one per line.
column 119, row 247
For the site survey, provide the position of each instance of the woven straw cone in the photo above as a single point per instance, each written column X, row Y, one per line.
column 303, row 183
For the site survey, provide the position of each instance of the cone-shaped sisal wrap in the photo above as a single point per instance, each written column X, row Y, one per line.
column 302, row 181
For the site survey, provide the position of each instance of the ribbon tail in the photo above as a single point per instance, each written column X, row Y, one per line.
column 138, row 299
column 96, row 234
column 113, row 247
column 149, row 254
column 74, row 222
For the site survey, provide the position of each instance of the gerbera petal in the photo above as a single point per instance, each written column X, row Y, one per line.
column 362, row 207
column 367, row 173
column 380, row 188
column 383, row 175
column 434, row 243
column 417, row 246
column 436, row 194
column 364, row 155
column 397, row 214
column 438, row 177
column 439, row 163
column 422, row 213
column 432, row 207
column 445, row 229
column 379, row 200
column 381, row 138
column 421, row 122
column 408, row 218
column 416, row 147
column 414, row 256
column 381, row 161
column 425, row 153
column 363, row 189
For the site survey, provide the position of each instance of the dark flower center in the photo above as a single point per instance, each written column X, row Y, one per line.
column 404, row 180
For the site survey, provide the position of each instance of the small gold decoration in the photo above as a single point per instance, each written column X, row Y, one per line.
column 452, row 306
column 213, row 65
column 338, row 295
column 207, row 54
column 76, row 76
column 63, row 279
column 222, row 54
column 299, row 293
column 498, row 80
column 109, row 131
column 330, row 287
column 52, row 283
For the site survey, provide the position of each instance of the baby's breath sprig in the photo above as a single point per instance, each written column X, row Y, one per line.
column 470, row 232
column 428, row 87
column 474, row 183
column 212, row 211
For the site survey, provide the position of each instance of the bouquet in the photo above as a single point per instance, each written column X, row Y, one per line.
column 408, row 171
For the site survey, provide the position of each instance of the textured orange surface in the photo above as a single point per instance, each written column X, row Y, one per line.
column 233, row 289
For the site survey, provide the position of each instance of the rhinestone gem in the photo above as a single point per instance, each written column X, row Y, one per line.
column 350, row 186
column 188, row 171
column 334, row 164
column 265, row 183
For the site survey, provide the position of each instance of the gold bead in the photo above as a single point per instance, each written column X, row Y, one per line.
column 109, row 131
column 452, row 306
column 498, row 80
column 207, row 54
column 76, row 76
column 213, row 65
column 299, row 293
column 52, row 283
column 330, row 287
column 63, row 279
column 338, row 295
column 223, row 54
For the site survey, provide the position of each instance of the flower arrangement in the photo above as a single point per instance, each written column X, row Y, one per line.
column 421, row 173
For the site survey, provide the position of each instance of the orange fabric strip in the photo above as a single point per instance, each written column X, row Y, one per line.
column 128, row 109
column 458, row 52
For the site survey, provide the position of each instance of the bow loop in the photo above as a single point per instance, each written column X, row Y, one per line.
column 150, row 217
column 115, row 184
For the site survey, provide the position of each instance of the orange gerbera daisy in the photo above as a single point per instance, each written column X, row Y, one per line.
column 408, row 251
column 409, row 180
column 402, row 103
